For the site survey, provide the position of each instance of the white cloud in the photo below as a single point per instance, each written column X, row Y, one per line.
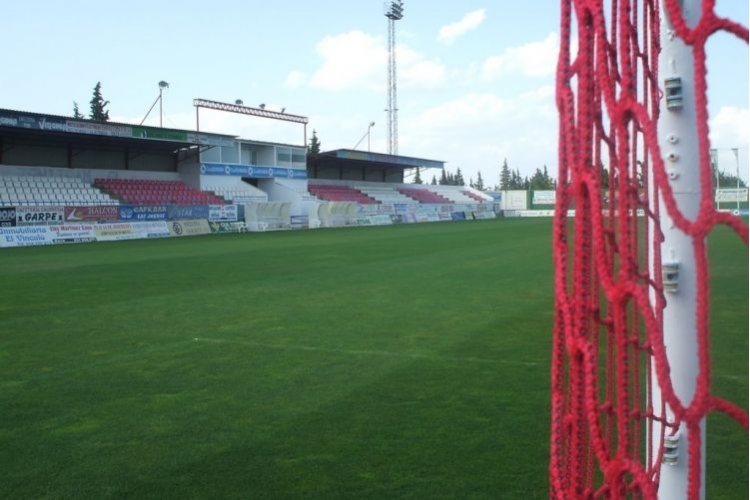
column 534, row 59
column 358, row 60
column 450, row 32
column 414, row 70
column 730, row 128
column 477, row 131
column 349, row 59
column 295, row 79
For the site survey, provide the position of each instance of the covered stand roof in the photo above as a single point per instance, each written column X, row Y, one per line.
column 349, row 164
column 24, row 126
column 363, row 159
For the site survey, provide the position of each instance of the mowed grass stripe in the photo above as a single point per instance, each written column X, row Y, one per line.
column 348, row 363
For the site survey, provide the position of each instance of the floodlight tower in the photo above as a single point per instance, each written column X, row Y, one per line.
column 394, row 10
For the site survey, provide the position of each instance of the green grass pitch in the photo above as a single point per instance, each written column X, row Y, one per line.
column 371, row 363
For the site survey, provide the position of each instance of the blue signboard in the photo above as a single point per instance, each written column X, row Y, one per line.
column 158, row 212
column 186, row 212
column 33, row 122
column 254, row 171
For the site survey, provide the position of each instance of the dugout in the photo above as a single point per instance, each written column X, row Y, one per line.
column 352, row 165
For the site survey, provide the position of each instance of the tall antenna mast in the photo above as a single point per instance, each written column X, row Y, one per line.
column 394, row 11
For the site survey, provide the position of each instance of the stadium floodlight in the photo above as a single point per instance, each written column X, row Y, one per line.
column 247, row 110
column 367, row 134
column 162, row 85
column 394, row 11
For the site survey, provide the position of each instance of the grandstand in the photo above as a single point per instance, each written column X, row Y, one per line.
column 50, row 190
column 49, row 163
column 156, row 192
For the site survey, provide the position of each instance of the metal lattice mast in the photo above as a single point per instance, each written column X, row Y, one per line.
column 394, row 11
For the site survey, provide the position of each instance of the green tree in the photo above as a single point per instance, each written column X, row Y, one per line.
column 515, row 182
column 98, row 113
column 479, row 185
column 76, row 112
column 549, row 180
column 314, row 147
column 434, row 181
column 459, row 179
column 505, row 176
column 729, row 180
column 447, row 178
column 541, row 180
column 417, row 178
column 537, row 181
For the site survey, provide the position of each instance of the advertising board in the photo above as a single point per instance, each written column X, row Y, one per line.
column 39, row 215
column 143, row 212
column 72, row 233
column 544, row 197
column 101, row 213
column 150, row 229
column 25, row 236
column 187, row 212
column 116, row 231
column 7, row 216
column 225, row 213
column 188, row 227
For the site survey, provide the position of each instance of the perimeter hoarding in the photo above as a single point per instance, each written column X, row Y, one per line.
column 72, row 233
column 22, row 236
column 7, row 216
column 34, row 215
column 189, row 227
column 187, row 212
column 25, row 236
column 101, row 213
column 143, row 212
column 222, row 213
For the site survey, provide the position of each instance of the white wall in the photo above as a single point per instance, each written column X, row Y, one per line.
column 190, row 173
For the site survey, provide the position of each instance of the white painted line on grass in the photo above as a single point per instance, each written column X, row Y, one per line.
column 365, row 352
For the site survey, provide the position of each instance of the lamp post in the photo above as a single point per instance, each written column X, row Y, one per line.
column 372, row 124
column 162, row 85
column 715, row 165
column 736, row 152
column 367, row 134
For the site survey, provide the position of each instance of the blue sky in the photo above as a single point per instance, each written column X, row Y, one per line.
column 475, row 78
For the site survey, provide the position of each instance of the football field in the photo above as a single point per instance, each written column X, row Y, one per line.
column 407, row 361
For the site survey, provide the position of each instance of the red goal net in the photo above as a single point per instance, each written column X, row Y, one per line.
column 616, row 204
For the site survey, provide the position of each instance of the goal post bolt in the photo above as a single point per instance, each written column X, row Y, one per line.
column 671, row 449
column 670, row 276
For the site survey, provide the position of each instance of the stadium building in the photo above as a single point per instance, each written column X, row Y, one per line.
column 61, row 170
